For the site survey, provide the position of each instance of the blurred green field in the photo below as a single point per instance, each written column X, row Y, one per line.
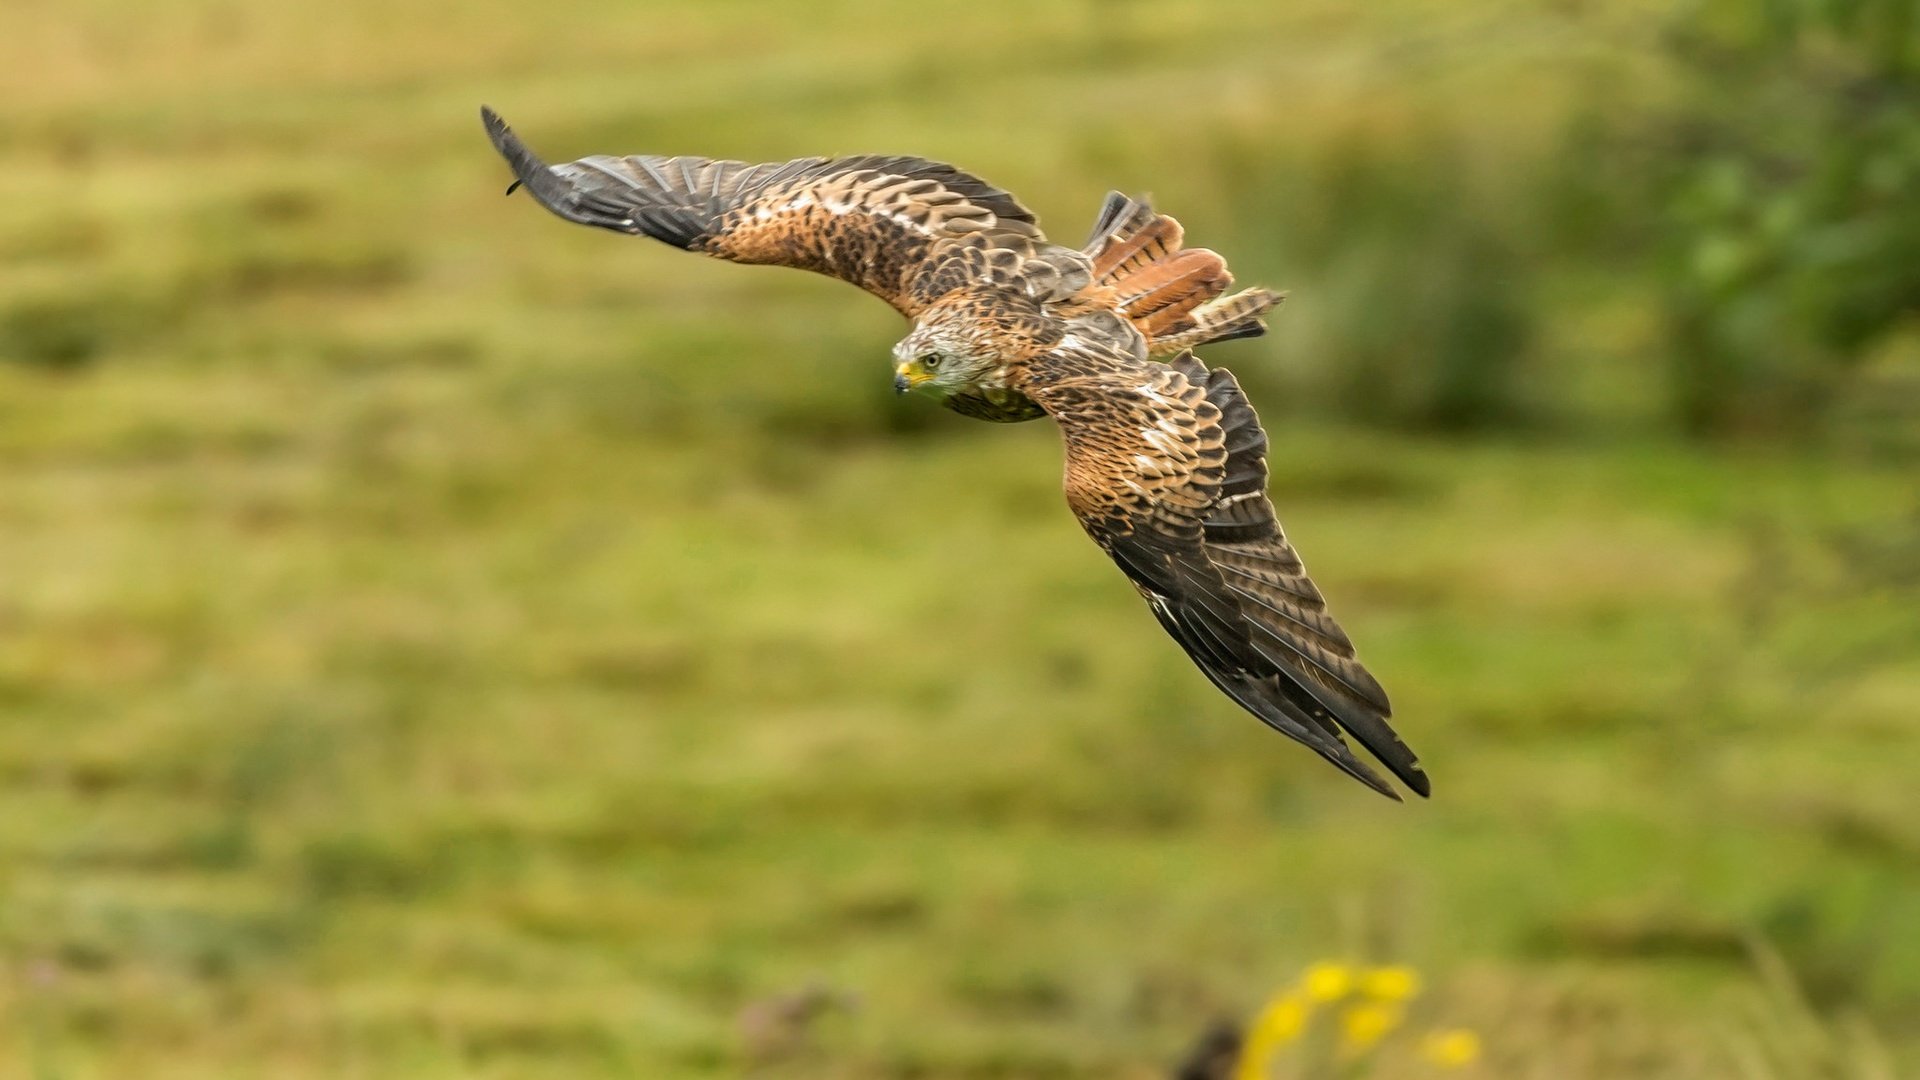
column 436, row 641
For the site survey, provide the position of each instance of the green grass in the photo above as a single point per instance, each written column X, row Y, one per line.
column 436, row 642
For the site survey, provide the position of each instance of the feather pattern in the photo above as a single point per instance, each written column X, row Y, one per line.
column 1166, row 469
column 1166, row 463
column 872, row 220
column 1172, row 294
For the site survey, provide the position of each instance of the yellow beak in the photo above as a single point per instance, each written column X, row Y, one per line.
column 908, row 376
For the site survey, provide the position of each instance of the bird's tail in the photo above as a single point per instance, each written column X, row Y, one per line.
column 1172, row 294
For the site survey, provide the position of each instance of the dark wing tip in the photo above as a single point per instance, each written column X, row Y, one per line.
column 1356, row 769
column 501, row 136
column 1408, row 773
column 504, row 140
column 1380, row 740
column 1348, row 762
column 1386, row 747
column 553, row 191
column 1416, row 778
column 524, row 163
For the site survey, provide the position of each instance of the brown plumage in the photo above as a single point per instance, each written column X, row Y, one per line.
column 1172, row 295
column 1166, row 463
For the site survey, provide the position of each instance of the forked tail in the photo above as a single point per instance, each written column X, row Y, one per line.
column 1172, row 294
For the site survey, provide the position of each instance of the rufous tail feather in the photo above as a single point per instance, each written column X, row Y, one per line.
column 1172, row 295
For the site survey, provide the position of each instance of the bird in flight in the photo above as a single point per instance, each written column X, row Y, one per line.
column 1166, row 463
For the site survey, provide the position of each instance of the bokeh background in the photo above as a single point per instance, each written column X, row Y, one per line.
column 437, row 641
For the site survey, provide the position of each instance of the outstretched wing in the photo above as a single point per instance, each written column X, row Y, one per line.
column 875, row 222
column 1166, row 469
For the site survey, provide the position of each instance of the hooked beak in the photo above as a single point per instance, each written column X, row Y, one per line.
column 905, row 378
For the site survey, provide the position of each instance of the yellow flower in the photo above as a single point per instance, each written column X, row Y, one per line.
column 1283, row 1019
column 1455, row 1048
column 1364, row 1025
column 1281, row 1022
column 1395, row 983
column 1327, row 982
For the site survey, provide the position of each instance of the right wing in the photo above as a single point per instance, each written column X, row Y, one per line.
column 876, row 222
column 1166, row 470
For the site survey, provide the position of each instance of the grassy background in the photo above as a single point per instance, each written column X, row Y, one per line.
column 439, row 642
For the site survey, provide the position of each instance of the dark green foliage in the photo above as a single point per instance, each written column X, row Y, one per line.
column 1409, row 275
column 1792, row 192
column 1427, row 296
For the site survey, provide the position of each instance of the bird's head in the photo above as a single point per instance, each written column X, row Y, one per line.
column 942, row 357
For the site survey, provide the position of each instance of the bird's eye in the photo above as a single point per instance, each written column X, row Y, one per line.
column 930, row 361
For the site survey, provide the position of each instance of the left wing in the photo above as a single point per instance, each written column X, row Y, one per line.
column 881, row 223
column 1166, row 470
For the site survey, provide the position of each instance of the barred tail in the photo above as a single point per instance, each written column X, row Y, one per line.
column 1173, row 295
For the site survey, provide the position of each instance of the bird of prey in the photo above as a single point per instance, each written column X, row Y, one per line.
column 1166, row 463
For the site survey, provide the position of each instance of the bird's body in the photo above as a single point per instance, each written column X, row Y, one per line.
column 1165, row 460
